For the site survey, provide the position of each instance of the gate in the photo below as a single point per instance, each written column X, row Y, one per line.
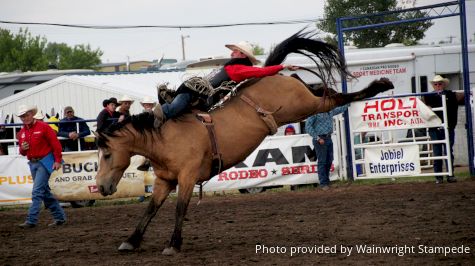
column 389, row 136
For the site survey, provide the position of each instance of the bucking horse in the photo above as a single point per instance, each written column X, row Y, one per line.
column 187, row 150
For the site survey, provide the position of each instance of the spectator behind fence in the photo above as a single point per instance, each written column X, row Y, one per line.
column 38, row 142
column 107, row 116
column 148, row 104
column 320, row 127
column 452, row 100
column 289, row 130
column 124, row 105
column 70, row 131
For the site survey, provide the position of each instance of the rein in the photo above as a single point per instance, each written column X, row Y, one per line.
column 265, row 115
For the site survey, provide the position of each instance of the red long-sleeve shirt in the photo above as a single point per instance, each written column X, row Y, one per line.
column 42, row 140
column 239, row 73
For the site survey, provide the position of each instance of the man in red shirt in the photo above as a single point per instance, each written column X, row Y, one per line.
column 38, row 142
column 238, row 68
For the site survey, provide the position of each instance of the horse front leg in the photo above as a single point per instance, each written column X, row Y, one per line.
column 161, row 190
column 185, row 190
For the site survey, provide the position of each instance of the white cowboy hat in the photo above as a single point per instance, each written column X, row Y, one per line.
column 126, row 98
column 148, row 99
column 245, row 48
column 439, row 78
column 39, row 115
column 23, row 109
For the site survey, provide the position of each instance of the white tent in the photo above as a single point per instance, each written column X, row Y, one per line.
column 85, row 93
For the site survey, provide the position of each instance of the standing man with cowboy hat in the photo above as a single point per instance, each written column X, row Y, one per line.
column 238, row 68
column 452, row 100
column 38, row 142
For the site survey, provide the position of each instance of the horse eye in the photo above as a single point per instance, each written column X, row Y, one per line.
column 107, row 156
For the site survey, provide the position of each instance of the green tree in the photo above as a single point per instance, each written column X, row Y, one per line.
column 78, row 57
column 21, row 52
column 24, row 52
column 256, row 49
column 408, row 33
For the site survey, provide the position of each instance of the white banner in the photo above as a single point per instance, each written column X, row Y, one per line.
column 15, row 180
column 392, row 161
column 77, row 179
column 392, row 113
column 398, row 72
column 284, row 160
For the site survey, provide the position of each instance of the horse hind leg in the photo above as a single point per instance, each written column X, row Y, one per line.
column 373, row 89
column 161, row 190
column 184, row 195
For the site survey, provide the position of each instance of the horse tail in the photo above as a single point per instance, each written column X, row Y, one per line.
column 304, row 43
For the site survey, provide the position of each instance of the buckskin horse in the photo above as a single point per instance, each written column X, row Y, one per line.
column 181, row 150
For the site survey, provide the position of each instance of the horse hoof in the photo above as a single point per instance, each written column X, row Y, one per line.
column 170, row 251
column 126, row 247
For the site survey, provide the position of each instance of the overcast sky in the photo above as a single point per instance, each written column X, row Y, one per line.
column 152, row 43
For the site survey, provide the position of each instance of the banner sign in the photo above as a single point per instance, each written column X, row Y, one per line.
column 281, row 160
column 392, row 113
column 398, row 72
column 392, row 161
column 15, row 180
column 76, row 180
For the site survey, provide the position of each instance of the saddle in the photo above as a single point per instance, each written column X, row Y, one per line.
column 205, row 97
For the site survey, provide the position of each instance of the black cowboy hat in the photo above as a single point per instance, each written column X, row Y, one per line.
column 110, row 100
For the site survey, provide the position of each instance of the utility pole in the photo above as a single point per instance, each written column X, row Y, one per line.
column 183, row 45
column 451, row 37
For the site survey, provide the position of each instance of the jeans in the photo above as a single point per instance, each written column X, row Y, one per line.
column 177, row 106
column 42, row 193
column 439, row 149
column 324, row 154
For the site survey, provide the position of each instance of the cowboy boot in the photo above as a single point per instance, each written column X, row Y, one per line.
column 159, row 117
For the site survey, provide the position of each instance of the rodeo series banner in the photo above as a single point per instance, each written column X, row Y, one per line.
column 285, row 160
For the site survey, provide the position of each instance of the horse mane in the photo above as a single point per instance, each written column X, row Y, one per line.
column 141, row 122
column 324, row 55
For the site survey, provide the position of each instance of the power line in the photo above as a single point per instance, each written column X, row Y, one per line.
column 105, row 27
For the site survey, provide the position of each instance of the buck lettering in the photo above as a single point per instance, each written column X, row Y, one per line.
column 79, row 167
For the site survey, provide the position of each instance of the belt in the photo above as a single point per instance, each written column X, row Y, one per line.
column 325, row 135
column 35, row 160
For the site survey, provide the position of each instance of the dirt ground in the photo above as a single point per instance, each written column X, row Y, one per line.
column 272, row 228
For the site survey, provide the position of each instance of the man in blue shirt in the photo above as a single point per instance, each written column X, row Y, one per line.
column 70, row 130
column 320, row 128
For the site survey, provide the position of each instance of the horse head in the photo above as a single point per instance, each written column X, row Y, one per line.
column 116, row 146
column 114, row 158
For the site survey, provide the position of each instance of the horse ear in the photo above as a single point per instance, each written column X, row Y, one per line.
column 47, row 115
column 57, row 115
